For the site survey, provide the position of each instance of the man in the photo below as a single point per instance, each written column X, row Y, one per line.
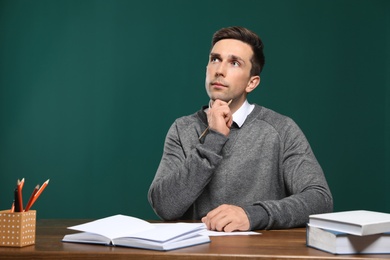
column 234, row 165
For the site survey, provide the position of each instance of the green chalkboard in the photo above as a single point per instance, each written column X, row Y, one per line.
column 88, row 90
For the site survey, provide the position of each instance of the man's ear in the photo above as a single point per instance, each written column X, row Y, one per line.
column 252, row 84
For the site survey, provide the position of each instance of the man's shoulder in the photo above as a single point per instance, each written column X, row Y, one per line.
column 196, row 117
column 270, row 116
column 271, row 119
column 190, row 117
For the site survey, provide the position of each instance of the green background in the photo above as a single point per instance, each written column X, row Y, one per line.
column 88, row 90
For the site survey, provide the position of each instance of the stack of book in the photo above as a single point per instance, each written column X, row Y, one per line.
column 350, row 232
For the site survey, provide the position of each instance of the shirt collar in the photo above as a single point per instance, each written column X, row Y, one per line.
column 242, row 113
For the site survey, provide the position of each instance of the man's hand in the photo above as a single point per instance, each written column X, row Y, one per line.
column 227, row 218
column 220, row 117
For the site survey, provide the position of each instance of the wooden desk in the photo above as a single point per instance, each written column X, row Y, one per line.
column 282, row 244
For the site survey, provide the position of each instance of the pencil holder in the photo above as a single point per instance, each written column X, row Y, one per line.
column 17, row 229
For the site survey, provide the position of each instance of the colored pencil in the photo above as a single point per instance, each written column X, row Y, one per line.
column 37, row 194
column 30, row 201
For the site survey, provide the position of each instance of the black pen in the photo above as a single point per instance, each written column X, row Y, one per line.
column 16, row 199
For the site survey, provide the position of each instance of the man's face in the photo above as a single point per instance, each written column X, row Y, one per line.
column 228, row 71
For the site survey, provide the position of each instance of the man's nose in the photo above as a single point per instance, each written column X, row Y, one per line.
column 221, row 70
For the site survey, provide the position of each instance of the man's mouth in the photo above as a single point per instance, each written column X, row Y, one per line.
column 218, row 84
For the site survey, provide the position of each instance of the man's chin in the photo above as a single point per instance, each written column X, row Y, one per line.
column 219, row 96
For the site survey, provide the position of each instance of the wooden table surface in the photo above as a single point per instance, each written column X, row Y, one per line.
column 276, row 244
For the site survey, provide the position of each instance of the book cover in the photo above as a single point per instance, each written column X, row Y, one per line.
column 120, row 230
column 356, row 222
column 342, row 243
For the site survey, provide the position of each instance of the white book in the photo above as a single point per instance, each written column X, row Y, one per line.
column 356, row 222
column 120, row 230
column 342, row 243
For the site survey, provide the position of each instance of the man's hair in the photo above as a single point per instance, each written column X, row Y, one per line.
column 247, row 36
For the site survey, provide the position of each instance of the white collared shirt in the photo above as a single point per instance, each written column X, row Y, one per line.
column 241, row 114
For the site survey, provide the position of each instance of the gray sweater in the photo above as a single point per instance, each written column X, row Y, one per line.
column 266, row 167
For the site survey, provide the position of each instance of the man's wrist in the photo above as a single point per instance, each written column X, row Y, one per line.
column 258, row 216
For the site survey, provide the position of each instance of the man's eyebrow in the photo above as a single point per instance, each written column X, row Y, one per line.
column 234, row 57
column 212, row 54
column 231, row 57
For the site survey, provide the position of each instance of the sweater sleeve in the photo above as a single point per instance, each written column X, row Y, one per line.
column 305, row 183
column 184, row 171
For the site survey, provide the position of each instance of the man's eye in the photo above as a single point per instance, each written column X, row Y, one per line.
column 236, row 63
column 214, row 59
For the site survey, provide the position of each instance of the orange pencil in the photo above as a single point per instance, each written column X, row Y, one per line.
column 30, row 201
column 36, row 195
